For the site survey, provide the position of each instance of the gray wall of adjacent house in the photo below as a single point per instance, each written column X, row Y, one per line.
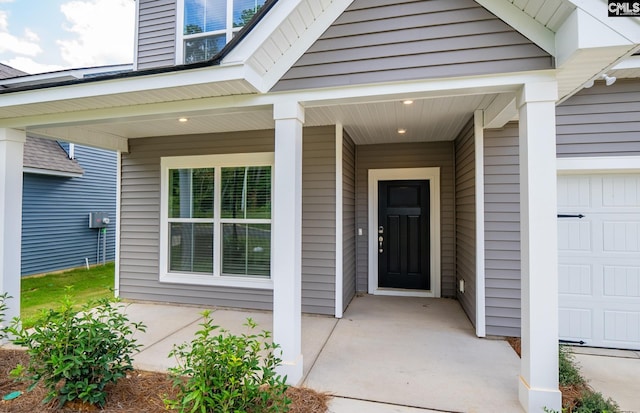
column 156, row 41
column 600, row 121
column 348, row 220
column 382, row 41
column 408, row 155
column 466, row 218
column 502, row 230
column 140, row 219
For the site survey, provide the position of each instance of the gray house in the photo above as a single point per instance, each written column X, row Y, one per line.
column 319, row 148
column 62, row 184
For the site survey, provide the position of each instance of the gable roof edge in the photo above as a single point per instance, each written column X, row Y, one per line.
column 256, row 50
column 523, row 23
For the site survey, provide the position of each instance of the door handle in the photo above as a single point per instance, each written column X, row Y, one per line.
column 380, row 239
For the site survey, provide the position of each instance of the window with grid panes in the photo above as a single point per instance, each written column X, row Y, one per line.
column 208, row 25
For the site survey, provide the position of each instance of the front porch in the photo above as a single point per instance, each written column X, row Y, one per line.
column 397, row 354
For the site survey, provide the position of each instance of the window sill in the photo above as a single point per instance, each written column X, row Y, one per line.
column 224, row 281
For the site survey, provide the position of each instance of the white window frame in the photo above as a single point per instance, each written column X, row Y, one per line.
column 218, row 162
column 229, row 30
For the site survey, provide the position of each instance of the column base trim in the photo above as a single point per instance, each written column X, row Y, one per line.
column 536, row 399
column 293, row 370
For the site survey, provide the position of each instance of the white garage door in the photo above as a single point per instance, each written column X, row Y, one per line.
column 599, row 259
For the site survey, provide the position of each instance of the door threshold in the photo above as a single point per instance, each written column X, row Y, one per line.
column 404, row 292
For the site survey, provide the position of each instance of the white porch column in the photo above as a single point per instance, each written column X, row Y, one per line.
column 287, row 237
column 11, row 150
column 538, row 227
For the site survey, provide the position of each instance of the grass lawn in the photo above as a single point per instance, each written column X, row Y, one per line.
column 81, row 285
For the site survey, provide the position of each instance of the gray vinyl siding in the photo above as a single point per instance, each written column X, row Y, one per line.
column 156, row 33
column 319, row 220
column 502, row 230
column 382, row 41
column 408, row 155
column 348, row 220
column 466, row 219
column 55, row 214
column 600, row 121
column 140, row 210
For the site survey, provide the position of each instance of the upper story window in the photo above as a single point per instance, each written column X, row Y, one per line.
column 208, row 25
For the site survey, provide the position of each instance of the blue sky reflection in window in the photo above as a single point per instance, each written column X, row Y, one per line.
column 210, row 24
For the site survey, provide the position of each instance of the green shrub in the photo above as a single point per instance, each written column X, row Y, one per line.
column 219, row 372
column 76, row 354
column 594, row 402
column 3, row 308
column 569, row 374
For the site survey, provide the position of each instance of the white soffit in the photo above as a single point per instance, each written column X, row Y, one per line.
column 425, row 120
column 549, row 13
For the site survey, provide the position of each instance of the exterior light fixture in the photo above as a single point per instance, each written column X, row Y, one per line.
column 609, row 80
column 182, row 120
column 402, row 131
column 407, row 102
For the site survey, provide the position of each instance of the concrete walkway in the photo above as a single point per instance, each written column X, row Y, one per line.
column 614, row 373
column 387, row 355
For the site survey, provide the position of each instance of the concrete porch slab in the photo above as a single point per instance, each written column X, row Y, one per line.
column 171, row 324
column 416, row 352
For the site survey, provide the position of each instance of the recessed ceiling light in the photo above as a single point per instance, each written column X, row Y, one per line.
column 183, row 120
column 402, row 131
column 407, row 102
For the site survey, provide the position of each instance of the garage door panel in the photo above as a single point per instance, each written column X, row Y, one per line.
column 574, row 236
column 621, row 191
column 621, row 281
column 599, row 259
column 574, row 192
column 621, row 327
column 575, row 279
column 576, row 323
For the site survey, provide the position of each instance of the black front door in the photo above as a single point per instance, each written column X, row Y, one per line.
column 403, row 235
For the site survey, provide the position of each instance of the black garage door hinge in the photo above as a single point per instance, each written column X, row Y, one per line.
column 570, row 216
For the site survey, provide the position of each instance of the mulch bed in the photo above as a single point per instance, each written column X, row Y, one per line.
column 139, row 392
column 570, row 394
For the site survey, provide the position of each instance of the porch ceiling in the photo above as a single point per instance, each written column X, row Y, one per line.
column 424, row 120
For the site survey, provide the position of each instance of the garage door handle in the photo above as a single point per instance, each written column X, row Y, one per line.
column 570, row 216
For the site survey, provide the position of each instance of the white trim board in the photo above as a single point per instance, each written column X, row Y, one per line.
column 481, row 320
column 339, row 224
column 433, row 176
column 598, row 164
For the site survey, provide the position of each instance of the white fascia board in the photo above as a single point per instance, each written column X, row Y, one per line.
column 432, row 88
column 582, row 31
column 83, row 136
column 279, row 14
column 190, row 77
column 257, row 36
column 523, row 23
column 50, row 172
column 628, row 27
column 291, row 56
column 632, row 62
